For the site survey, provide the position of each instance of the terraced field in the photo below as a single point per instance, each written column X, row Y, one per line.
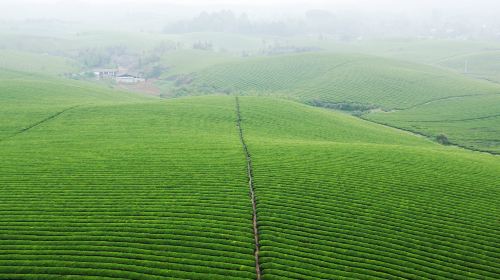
column 330, row 78
column 340, row 198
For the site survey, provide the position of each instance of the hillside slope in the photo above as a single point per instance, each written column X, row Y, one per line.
column 136, row 191
column 28, row 98
column 36, row 63
column 342, row 198
column 483, row 65
column 361, row 83
column 330, row 78
column 471, row 121
column 128, row 187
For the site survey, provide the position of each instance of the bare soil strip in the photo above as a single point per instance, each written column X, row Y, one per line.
column 252, row 192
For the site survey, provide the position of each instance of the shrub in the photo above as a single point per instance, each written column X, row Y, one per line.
column 443, row 139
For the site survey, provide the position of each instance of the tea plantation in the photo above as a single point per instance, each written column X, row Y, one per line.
column 471, row 121
column 143, row 191
column 101, row 184
column 333, row 78
column 375, row 205
column 362, row 84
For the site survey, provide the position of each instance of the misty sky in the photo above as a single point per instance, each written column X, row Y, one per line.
column 87, row 9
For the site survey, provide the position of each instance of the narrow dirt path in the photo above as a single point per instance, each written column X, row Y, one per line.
column 252, row 191
column 31, row 126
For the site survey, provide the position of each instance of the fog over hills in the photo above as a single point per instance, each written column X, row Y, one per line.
column 410, row 17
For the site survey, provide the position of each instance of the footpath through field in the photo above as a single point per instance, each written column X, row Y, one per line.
column 252, row 190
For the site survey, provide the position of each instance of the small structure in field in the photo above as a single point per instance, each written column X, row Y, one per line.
column 102, row 74
column 129, row 79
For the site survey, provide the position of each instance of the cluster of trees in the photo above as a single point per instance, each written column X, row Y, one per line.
column 228, row 21
column 101, row 57
column 205, row 46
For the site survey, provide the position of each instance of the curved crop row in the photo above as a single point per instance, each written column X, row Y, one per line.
column 128, row 192
column 362, row 207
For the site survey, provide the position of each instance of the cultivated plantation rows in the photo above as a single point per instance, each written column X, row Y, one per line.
column 381, row 82
column 30, row 98
column 367, row 206
column 127, row 187
column 143, row 191
column 414, row 97
column 471, row 121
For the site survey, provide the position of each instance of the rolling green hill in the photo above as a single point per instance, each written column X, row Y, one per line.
column 471, row 121
column 125, row 187
column 36, row 63
column 483, row 65
column 369, row 80
column 28, row 98
column 363, row 83
column 132, row 191
column 190, row 61
column 343, row 198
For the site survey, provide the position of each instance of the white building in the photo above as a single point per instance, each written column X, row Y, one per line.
column 105, row 73
column 129, row 79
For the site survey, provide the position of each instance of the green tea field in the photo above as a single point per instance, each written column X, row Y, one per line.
column 249, row 140
column 470, row 121
column 331, row 78
column 367, row 85
column 96, row 193
column 102, row 184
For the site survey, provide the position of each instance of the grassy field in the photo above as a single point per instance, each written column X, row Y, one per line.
column 101, row 184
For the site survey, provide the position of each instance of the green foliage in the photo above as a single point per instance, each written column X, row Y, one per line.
column 443, row 139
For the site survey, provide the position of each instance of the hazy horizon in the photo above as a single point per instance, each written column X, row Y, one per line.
column 82, row 10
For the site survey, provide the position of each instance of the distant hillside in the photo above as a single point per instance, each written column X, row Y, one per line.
column 37, row 63
column 362, row 84
column 27, row 98
column 469, row 121
column 482, row 65
column 330, row 78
